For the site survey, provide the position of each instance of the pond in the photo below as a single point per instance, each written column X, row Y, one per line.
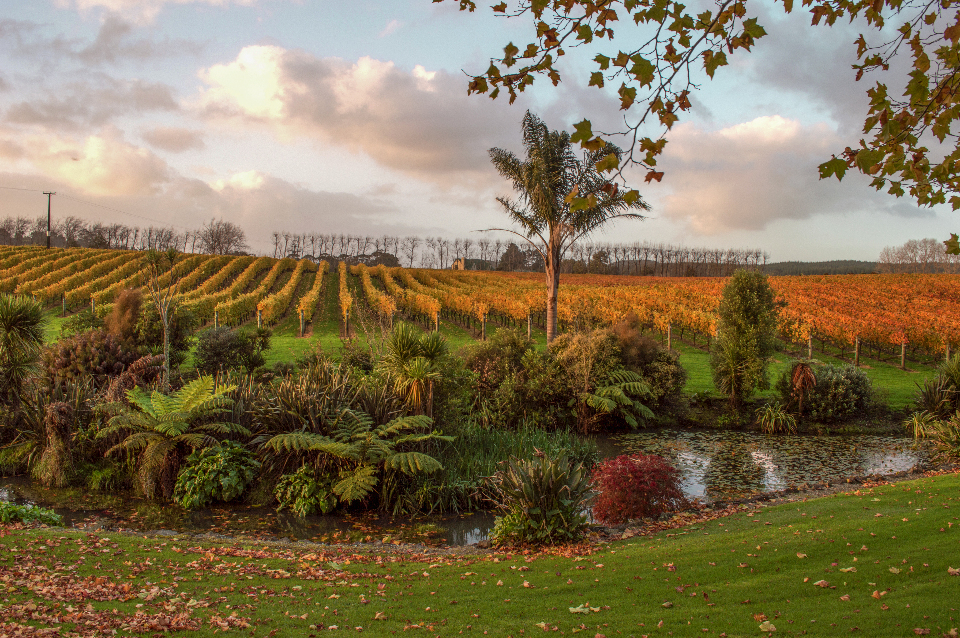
column 723, row 465
column 714, row 465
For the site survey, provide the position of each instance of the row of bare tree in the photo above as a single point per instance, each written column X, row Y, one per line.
column 918, row 256
column 488, row 253
column 217, row 237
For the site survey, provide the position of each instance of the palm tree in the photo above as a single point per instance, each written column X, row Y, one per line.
column 21, row 335
column 412, row 360
column 562, row 198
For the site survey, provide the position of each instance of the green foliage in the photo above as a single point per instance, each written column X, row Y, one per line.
column 945, row 433
column 21, row 334
column 163, row 427
column 659, row 367
column 148, row 332
column 306, row 494
column 221, row 349
column 774, row 419
column 370, row 452
column 474, row 456
column 941, row 394
column 215, row 474
column 746, row 336
column 107, row 478
column 28, row 514
column 412, row 360
column 82, row 321
column 841, row 391
column 603, row 392
column 543, row 500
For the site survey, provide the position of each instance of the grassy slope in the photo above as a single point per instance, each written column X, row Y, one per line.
column 713, row 577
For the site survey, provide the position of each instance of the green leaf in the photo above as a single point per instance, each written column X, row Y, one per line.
column 583, row 132
column 953, row 245
column 836, row 166
column 608, row 163
column 603, row 61
column 596, row 79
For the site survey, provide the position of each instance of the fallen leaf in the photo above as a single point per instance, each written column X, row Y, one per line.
column 800, row 555
column 849, row 569
column 667, row 604
column 921, row 631
column 822, row 583
column 845, row 597
column 953, row 572
column 767, row 626
column 894, row 570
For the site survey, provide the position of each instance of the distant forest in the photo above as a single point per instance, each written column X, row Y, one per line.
column 835, row 267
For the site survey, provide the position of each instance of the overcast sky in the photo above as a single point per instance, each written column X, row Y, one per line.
column 353, row 117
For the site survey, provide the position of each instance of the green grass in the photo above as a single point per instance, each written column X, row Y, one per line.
column 897, row 388
column 872, row 562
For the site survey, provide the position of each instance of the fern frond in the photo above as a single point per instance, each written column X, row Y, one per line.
column 309, row 442
column 357, row 484
column 411, row 463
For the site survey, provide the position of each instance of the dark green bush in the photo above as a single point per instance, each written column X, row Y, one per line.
column 223, row 349
column 215, row 474
column 659, row 367
column 149, row 332
column 544, row 501
column 842, row 391
column 305, row 494
column 82, row 321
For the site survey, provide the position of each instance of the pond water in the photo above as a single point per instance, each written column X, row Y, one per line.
column 723, row 465
column 714, row 465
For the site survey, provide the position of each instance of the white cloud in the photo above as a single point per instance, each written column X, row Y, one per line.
column 102, row 164
column 392, row 26
column 174, row 139
column 420, row 122
column 248, row 180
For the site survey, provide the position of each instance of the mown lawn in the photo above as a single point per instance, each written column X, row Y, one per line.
column 881, row 560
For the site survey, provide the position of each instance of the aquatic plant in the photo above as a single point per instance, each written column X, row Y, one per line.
column 774, row 419
column 215, row 474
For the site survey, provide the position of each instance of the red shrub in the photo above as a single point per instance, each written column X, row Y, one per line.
column 637, row 486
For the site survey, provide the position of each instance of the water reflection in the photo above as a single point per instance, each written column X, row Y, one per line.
column 720, row 465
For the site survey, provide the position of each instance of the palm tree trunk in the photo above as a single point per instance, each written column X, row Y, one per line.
column 553, row 287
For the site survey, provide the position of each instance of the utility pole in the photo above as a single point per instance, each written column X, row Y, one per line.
column 48, row 194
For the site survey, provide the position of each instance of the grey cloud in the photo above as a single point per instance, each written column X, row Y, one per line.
column 745, row 178
column 84, row 104
column 174, row 139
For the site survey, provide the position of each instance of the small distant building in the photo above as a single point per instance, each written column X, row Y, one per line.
column 458, row 264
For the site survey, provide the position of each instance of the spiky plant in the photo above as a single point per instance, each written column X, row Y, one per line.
column 163, row 429
column 802, row 379
column 411, row 360
column 21, row 335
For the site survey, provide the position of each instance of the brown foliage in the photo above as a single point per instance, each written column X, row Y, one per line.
column 122, row 320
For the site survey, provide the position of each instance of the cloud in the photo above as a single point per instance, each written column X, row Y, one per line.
column 103, row 164
column 174, row 139
column 83, row 105
column 747, row 176
column 392, row 26
column 420, row 122
column 142, row 10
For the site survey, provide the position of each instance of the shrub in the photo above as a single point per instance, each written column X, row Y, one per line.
column 55, row 468
column 222, row 349
column 495, row 360
column 82, row 321
column 304, row 494
column 659, row 367
column 840, row 392
column 215, row 474
column 13, row 513
column 123, row 317
column 774, row 419
column 96, row 354
column 945, row 433
column 149, row 332
column 631, row 487
column 746, row 336
column 543, row 500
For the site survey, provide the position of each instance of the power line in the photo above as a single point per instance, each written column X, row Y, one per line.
column 110, row 208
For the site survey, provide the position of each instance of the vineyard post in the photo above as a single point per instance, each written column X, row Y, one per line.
column 436, row 322
column 530, row 326
column 63, row 299
column 301, row 322
column 93, row 307
column 483, row 328
column 669, row 335
column 346, row 323
column 810, row 347
column 856, row 353
column 216, row 318
column 903, row 355
column 259, row 318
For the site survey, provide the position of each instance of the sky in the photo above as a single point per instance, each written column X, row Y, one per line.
column 353, row 117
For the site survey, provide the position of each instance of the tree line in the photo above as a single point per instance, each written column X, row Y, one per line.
column 217, row 237
column 918, row 256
